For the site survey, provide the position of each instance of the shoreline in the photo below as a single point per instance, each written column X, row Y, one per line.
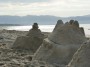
column 17, row 31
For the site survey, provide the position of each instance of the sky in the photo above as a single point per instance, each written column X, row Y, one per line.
column 61, row 8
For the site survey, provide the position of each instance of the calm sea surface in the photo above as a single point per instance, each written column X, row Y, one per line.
column 44, row 28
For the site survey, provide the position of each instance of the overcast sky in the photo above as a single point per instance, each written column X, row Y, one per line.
column 45, row 7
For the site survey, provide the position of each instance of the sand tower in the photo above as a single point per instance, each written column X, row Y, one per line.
column 31, row 41
column 61, row 44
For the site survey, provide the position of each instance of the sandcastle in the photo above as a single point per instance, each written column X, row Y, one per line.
column 31, row 41
column 61, row 44
column 82, row 57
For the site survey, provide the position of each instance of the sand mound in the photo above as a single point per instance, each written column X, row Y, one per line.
column 31, row 41
column 60, row 46
column 82, row 57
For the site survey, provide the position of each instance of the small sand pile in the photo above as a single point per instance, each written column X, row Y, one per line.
column 61, row 44
column 82, row 57
column 31, row 41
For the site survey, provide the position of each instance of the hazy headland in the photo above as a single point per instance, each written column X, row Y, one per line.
column 42, row 19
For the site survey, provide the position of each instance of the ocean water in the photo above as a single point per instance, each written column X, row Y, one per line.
column 44, row 28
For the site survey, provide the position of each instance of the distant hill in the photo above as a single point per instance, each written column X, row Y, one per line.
column 10, row 25
column 43, row 19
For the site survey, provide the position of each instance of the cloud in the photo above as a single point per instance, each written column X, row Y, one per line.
column 22, row 1
column 46, row 7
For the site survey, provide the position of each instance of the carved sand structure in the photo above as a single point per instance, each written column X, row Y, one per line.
column 31, row 41
column 61, row 44
column 82, row 57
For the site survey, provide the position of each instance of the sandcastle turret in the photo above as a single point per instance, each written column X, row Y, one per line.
column 59, row 23
column 67, row 34
column 31, row 41
column 35, row 31
column 71, row 22
column 82, row 30
column 75, row 23
column 35, row 26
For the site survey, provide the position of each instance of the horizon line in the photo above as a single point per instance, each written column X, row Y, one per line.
column 46, row 15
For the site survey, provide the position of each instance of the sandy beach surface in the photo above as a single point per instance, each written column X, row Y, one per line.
column 17, row 58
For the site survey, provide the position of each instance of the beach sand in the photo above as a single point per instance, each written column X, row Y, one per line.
column 18, row 58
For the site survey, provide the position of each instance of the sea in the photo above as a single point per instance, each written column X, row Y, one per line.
column 44, row 28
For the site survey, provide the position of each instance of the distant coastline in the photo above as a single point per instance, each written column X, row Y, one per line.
column 41, row 20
